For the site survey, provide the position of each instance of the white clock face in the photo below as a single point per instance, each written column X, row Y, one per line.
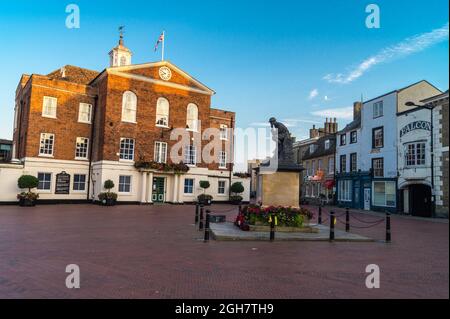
column 165, row 73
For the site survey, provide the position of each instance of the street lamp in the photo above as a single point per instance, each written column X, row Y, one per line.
column 433, row 196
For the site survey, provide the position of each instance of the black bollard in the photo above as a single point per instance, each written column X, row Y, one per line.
column 320, row 215
column 200, row 224
column 196, row 213
column 347, row 220
column 388, row 227
column 240, row 209
column 332, row 221
column 272, row 228
column 206, row 238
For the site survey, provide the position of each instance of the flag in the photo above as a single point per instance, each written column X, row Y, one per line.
column 160, row 39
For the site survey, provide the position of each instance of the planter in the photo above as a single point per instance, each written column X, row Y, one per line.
column 25, row 202
column 284, row 229
column 205, row 202
column 108, row 202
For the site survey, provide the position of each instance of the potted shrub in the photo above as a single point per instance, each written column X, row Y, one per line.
column 27, row 199
column 108, row 198
column 204, row 198
column 236, row 188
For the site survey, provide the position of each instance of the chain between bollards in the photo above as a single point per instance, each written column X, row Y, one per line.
column 272, row 228
column 347, row 220
column 206, row 238
column 332, row 222
column 388, row 227
column 320, row 215
column 200, row 224
column 196, row 213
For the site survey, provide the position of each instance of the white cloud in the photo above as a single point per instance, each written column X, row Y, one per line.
column 416, row 43
column 313, row 94
column 326, row 98
column 343, row 113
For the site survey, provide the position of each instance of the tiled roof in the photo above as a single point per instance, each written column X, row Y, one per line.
column 355, row 124
column 74, row 74
column 320, row 147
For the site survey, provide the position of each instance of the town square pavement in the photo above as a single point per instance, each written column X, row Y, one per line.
column 156, row 252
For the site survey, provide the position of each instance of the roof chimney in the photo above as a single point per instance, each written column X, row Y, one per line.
column 357, row 110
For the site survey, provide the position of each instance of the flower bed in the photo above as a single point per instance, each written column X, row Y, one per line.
column 284, row 216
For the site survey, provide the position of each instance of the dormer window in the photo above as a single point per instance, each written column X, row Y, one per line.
column 327, row 144
column 312, row 148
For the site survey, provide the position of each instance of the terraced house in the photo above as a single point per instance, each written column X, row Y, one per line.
column 119, row 124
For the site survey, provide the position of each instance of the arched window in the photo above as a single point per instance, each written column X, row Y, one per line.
column 129, row 106
column 162, row 112
column 123, row 61
column 192, row 117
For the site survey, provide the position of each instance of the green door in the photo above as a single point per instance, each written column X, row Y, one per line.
column 158, row 190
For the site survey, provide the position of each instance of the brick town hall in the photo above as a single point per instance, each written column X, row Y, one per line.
column 95, row 126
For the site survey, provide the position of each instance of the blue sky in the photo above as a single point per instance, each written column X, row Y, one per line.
column 296, row 60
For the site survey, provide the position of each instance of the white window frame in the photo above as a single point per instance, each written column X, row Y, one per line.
column 54, row 106
column 345, row 190
column 161, row 113
column 78, row 183
column 222, row 160
column 89, row 113
column 192, row 120
column 46, row 136
column 377, row 109
column 223, row 132
column 51, row 183
column 219, row 187
column 159, row 155
column 130, row 183
column 190, row 152
column 331, row 165
column 353, row 156
column 131, row 107
column 122, row 151
column 412, row 151
column 77, row 148
column 192, row 187
column 327, row 144
column 392, row 183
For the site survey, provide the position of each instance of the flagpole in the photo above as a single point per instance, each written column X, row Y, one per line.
column 163, row 41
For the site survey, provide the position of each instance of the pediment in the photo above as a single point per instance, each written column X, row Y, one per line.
column 151, row 72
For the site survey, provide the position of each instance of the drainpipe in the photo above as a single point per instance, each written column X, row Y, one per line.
column 94, row 111
column 231, row 151
column 433, row 196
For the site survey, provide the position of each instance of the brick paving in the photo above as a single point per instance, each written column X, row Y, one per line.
column 155, row 252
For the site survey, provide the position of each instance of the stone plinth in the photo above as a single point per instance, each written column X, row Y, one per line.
column 280, row 187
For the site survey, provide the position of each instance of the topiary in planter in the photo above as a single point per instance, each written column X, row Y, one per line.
column 236, row 188
column 108, row 198
column 29, row 198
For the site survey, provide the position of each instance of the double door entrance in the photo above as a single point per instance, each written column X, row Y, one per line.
column 159, row 190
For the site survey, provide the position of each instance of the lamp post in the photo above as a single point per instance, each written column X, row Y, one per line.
column 429, row 107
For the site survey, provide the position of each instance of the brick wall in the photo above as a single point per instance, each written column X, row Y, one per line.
column 106, row 97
